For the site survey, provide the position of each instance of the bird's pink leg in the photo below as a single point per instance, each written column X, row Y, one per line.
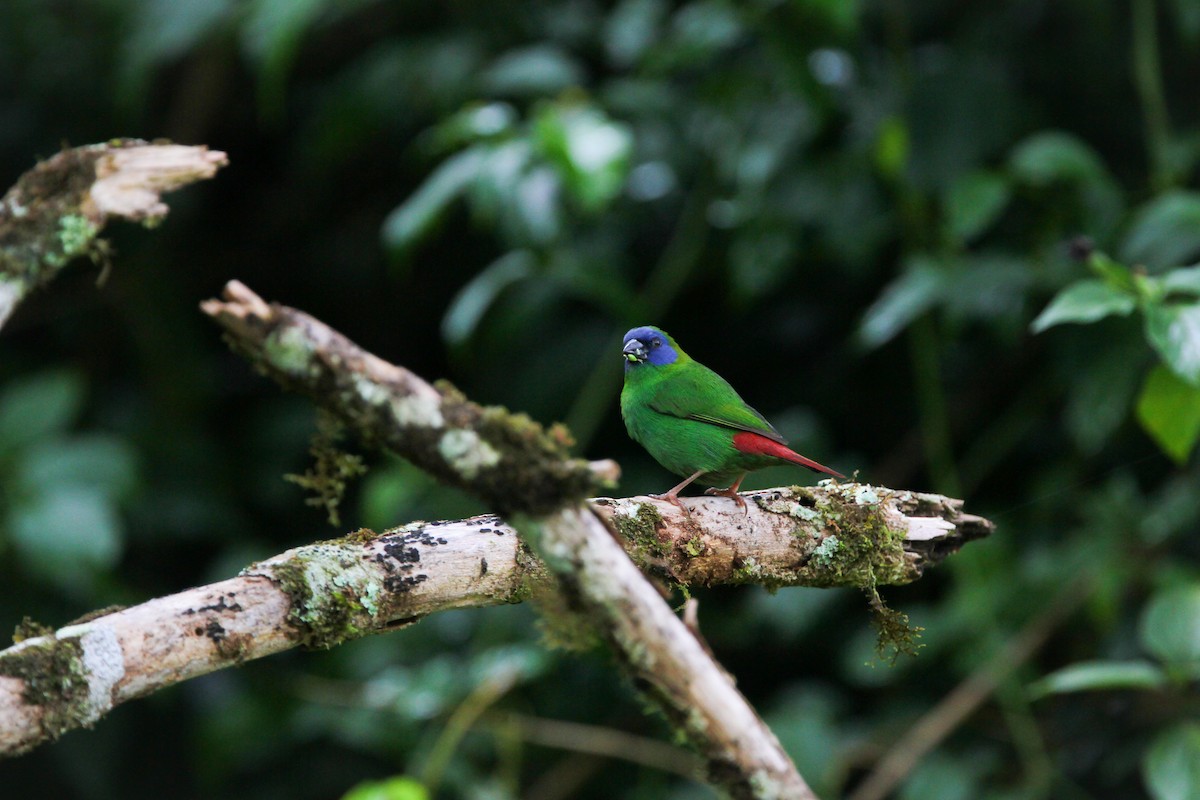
column 672, row 496
column 732, row 492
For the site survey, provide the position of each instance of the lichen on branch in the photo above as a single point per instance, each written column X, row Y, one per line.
column 55, row 211
column 511, row 462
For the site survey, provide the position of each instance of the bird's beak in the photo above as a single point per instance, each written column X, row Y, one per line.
column 634, row 350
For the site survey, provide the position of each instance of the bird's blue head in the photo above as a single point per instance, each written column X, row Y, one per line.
column 649, row 345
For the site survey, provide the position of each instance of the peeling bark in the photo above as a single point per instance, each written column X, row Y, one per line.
column 56, row 210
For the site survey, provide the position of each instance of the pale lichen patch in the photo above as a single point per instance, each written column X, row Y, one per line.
column 466, row 452
column 103, row 662
column 290, row 351
column 417, row 411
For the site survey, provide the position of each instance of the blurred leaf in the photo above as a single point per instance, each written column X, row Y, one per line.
column 1169, row 411
column 390, row 789
column 412, row 220
column 67, row 533
column 1170, row 628
column 473, row 300
column 986, row 286
column 494, row 191
column 1171, row 766
column 590, row 151
column 163, row 30
column 479, row 121
column 1103, row 389
column 759, row 261
column 698, row 31
column 536, row 215
column 534, row 71
column 1084, row 301
column 271, row 33
column 904, row 299
column 943, row 778
column 1185, row 280
column 892, row 147
column 1174, row 331
column 1165, row 231
column 104, row 463
column 1052, row 156
column 974, row 202
column 806, row 722
column 35, row 406
column 516, row 663
column 1187, row 12
column 1090, row 676
column 632, row 28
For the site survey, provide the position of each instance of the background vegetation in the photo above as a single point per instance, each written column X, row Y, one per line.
column 853, row 210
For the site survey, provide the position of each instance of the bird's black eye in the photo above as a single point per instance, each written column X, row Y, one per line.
column 656, row 343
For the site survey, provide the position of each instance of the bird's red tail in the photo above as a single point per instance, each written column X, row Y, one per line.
column 757, row 444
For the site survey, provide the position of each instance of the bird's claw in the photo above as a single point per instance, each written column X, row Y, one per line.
column 732, row 494
column 673, row 499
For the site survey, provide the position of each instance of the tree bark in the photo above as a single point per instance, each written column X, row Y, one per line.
column 56, row 210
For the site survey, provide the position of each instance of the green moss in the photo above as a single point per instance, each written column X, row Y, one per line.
column 54, row 677
column 322, row 620
column 75, row 234
column 332, row 468
column 642, row 532
column 895, row 635
column 860, row 547
column 28, row 628
column 360, row 536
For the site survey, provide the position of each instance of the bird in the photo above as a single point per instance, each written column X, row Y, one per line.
column 693, row 422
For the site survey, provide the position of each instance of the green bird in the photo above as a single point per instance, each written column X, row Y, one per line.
column 692, row 421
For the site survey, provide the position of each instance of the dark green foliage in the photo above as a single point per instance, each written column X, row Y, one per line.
column 854, row 212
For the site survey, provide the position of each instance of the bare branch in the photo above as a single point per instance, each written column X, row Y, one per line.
column 56, row 210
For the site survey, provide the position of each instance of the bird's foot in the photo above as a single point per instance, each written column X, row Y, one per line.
column 672, row 497
column 731, row 493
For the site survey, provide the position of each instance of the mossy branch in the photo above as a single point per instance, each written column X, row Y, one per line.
column 56, row 210
column 325, row 593
column 319, row 595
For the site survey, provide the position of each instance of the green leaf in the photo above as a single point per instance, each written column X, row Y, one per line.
column 904, row 299
column 632, row 28
column 1084, row 301
column 534, row 71
column 104, row 463
column 1090, row 676
column 1170, row 628
column 590, row 151
column 410, row 221
column 473, row 300
column 1105, row 380
column 1169, row 410
column 1173, row 329
column 973, row 203
column 1185, row 280
column 400, row 788
column 1165, row 231
column 163, row 30
column 272, row 32
column 1053, row 156
column 34, row 407
column 1171, row 766
column 66, row 534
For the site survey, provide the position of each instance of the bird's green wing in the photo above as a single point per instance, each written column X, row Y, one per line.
column 696, row 392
